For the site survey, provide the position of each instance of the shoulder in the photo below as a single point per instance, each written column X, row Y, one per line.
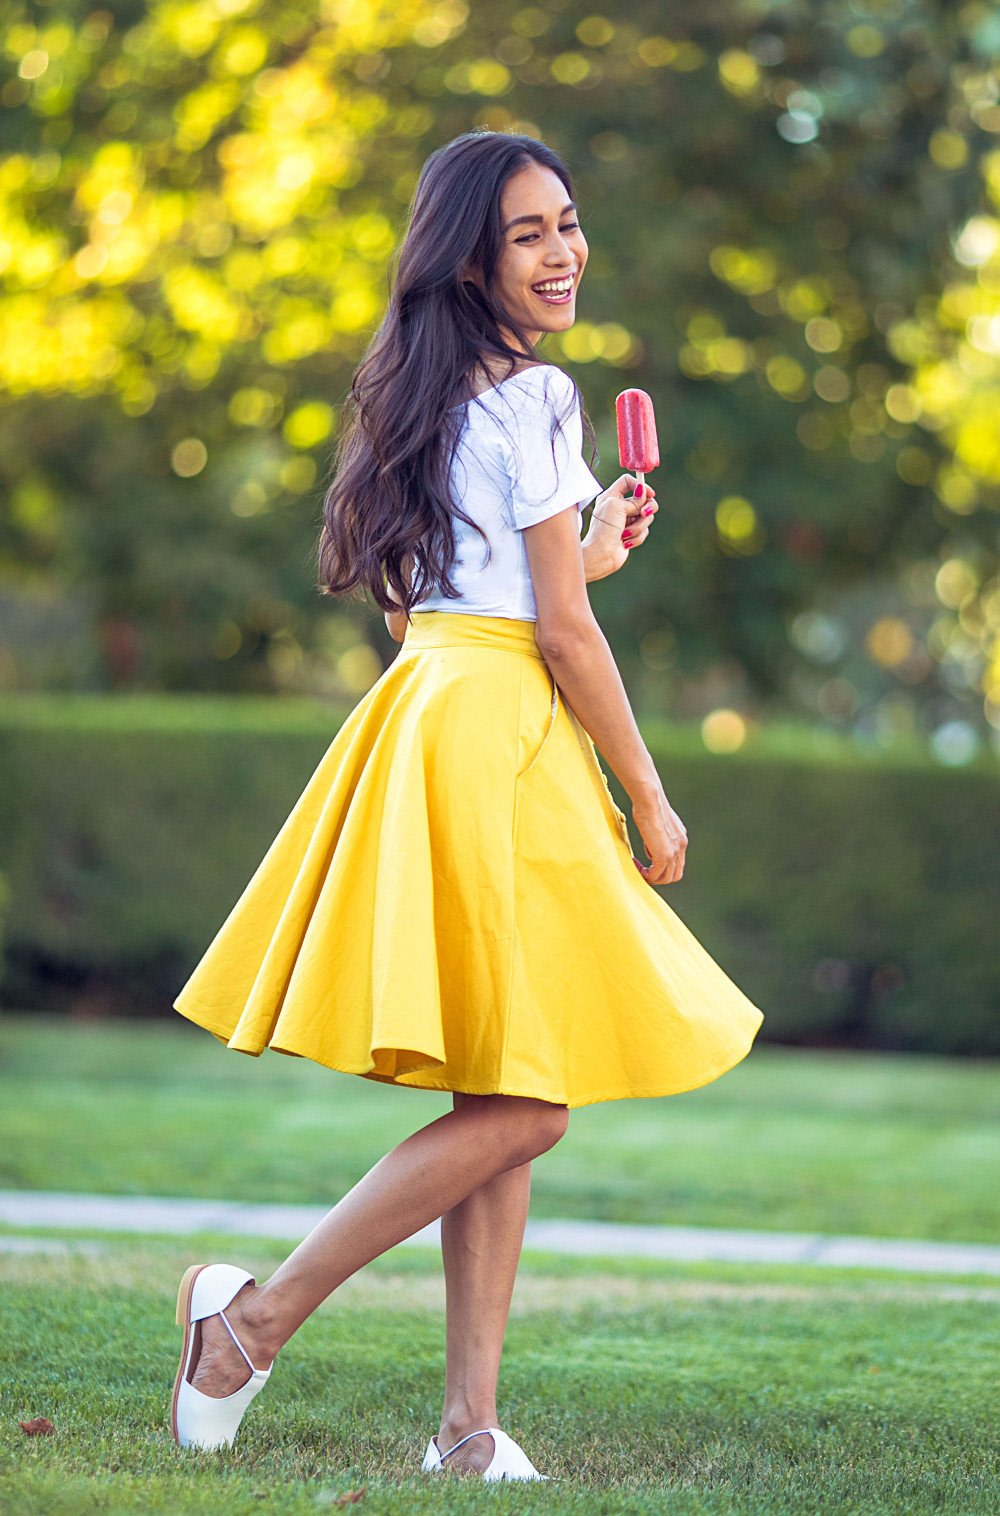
column 547, row 372
column 539, row 403
column 545, row 381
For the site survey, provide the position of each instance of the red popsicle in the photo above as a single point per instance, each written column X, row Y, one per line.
column 638, row 449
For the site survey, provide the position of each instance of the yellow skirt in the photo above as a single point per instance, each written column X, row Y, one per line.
column 452, row 903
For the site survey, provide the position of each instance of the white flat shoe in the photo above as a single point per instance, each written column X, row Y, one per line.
column 509, row 1461
column 197, row 1420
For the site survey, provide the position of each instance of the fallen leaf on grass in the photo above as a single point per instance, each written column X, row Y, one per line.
column 38, row 1427
column 349, row 1497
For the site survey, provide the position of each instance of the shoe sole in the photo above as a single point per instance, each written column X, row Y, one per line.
column 183, row 1318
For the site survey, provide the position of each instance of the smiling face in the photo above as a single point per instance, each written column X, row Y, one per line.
column 545, row 249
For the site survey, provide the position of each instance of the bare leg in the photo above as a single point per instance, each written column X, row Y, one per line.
column 426, row 1175
column 481, row 1241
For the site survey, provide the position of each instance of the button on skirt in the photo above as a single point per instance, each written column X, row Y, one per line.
column 452, row 903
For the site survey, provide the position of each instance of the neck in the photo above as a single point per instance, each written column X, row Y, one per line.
column 508, row 337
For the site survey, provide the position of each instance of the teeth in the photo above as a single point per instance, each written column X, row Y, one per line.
column 556, row 286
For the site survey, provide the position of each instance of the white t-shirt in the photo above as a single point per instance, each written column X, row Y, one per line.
column 504, row 476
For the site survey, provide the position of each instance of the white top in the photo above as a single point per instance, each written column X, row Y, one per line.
column 504, row 476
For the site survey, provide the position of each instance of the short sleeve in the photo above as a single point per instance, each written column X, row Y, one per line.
column 547, row 473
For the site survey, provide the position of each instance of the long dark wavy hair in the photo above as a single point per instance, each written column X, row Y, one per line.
column 389, row 507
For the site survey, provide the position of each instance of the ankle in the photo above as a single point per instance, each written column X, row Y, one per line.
column 459, row 1420
column 253, row 1317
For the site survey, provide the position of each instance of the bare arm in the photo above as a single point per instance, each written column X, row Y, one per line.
column 577, row 651
column 597, row 563
column 584, row 668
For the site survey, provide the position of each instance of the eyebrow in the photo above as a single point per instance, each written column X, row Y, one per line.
column 518, row 219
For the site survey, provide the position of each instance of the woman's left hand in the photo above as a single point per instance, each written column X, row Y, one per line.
column 619, row 522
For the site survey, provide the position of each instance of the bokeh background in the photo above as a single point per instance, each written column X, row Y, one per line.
column 793, row 213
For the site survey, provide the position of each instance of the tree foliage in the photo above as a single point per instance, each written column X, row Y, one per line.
column 793, row 212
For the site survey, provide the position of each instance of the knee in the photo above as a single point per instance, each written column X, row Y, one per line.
column 554, row 1121
column 516, row 1126
column 537, row 1127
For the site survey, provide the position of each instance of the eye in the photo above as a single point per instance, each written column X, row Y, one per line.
column 572, row 226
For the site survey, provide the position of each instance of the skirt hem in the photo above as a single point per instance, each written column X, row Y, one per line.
column 422, row 1082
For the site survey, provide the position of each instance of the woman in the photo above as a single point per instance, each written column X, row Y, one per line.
column 453, row 903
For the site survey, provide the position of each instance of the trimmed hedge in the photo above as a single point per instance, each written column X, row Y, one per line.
column 853, row 894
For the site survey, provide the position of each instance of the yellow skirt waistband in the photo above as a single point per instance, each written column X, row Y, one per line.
column 462, row 629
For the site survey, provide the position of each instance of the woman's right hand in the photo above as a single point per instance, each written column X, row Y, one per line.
column 664, row 837
column 616, row 512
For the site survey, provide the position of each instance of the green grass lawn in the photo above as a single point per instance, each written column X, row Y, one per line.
column 641, row 1388
column 884, row 1145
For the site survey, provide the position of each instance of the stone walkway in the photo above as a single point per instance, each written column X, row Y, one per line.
column 597, row 1239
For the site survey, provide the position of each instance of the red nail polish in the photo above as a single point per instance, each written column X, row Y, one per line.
column 638, row 492
column 648, row 511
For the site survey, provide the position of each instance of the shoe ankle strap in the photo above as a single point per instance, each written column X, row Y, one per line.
column 261, row 1373
column 487, row 1430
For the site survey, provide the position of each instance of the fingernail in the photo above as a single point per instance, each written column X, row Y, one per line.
column 648, row 511
column 627, row 541
column 638, row 492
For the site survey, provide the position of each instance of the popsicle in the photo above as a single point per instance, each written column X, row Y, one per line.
column 638, row 449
